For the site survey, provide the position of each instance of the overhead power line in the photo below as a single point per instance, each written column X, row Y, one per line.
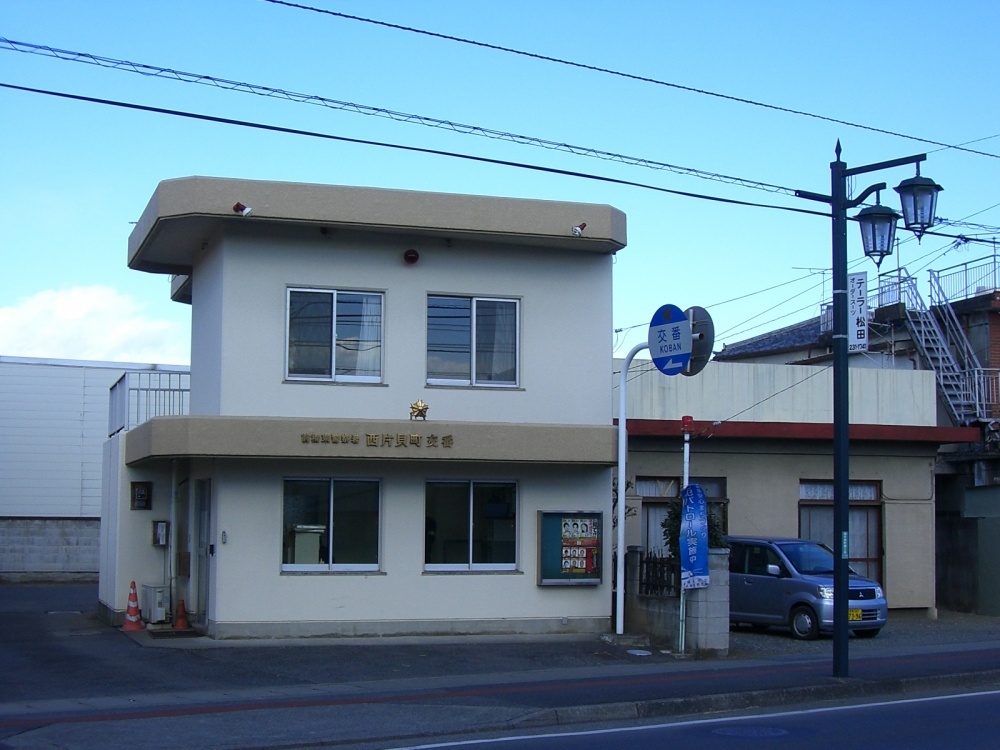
column 416, row 149
column 630, row 76
column 155, row 71
column 429, row 151
column 401, row 147
column 261, row 90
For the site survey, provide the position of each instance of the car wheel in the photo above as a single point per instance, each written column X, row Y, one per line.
column 804, row 624
column 869, row 633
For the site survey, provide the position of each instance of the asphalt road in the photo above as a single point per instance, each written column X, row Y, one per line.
column 907, row 724
column 70, row 681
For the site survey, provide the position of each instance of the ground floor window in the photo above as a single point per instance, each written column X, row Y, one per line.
column 658, row 493
column 864, row 519
column 470, row 525
column 330, row 524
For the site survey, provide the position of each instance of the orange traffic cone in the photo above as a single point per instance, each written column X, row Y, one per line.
column 180, row 617
column 132, row 621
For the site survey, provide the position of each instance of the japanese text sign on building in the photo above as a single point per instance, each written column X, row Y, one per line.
column 857, row 312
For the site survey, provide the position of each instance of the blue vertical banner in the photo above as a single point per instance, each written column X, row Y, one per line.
column 693, row 543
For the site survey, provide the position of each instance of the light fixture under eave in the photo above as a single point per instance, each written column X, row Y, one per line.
column 241, row 209
column 878, row 230
column 918, row 196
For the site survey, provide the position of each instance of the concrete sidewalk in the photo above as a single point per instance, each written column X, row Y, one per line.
column 70, row 681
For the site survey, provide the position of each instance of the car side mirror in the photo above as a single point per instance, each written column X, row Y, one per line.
column 774, row 570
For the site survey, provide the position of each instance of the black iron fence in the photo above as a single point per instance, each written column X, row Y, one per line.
column 659, row 576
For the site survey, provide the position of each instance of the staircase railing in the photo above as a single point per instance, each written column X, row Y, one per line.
column 954, row 381
column 953, row 330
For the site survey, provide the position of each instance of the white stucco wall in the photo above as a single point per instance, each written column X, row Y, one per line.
column 778, row 393
column 239, row 336
column 127, row 550
column 249, row 589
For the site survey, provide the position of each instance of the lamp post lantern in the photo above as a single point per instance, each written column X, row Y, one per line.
column 919, row 197
column 878, row 230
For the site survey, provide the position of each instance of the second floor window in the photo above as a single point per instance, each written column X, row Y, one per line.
column 472, row 341
column 334, row 335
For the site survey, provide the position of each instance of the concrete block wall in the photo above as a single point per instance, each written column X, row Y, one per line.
column 706, row 630
column 49, row 549
column 707, row 610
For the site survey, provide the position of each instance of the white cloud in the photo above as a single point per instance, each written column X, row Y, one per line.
column 90, row 322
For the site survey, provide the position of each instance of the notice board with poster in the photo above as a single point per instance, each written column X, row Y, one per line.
column 569, row 548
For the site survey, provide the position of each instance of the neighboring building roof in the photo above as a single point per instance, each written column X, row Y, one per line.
column 796, row 336
column 185, row 214
column 803, row 431
column 88, row 363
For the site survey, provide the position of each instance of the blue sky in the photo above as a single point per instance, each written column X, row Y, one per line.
column 76, row 175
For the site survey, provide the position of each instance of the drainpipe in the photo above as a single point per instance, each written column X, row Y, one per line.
column 172, row 535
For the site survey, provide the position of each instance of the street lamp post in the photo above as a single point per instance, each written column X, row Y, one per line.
column 878, row 225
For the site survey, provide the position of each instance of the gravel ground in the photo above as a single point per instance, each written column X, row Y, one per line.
column 905, row 629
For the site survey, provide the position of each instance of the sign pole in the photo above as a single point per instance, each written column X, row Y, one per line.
column 622, row 483
column 685, row 481
column 670, row 341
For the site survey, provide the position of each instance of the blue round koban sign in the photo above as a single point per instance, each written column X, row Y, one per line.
column 670, row 340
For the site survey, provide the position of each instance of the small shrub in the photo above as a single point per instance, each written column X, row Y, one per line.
column 672, row 529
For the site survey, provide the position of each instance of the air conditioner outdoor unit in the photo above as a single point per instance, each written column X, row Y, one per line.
column 154, row 602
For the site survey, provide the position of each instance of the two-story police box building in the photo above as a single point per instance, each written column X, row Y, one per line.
column 400, row 419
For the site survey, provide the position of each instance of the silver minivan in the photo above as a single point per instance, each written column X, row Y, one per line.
column 789, row 582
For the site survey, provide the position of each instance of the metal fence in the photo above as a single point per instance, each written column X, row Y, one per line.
column 139, row 396
column 969, row 279
column 659, row 576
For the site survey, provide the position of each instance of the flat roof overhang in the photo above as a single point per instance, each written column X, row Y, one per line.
column 185, row 214
column 804, row 431
column 381, row 440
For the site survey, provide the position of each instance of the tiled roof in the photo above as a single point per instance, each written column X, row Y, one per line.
column 796, row 336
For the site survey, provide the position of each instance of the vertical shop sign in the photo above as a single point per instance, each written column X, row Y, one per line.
column 693, row 543
column 857, row 312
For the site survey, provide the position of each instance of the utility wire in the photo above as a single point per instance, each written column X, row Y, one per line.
column 640, row 371
column 154, row 71
column 731, row 332
column 620, row 74
column 295, row 131
column 267, row 91
column 761, row 291
column 937, row 253
column 401, row 147
column 796, row 384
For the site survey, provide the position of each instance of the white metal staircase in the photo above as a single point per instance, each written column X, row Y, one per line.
column 945, row 348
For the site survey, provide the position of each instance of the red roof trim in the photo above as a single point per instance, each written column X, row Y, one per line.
column 804, row 431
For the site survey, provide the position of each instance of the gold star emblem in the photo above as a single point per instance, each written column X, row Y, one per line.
column 418, row 410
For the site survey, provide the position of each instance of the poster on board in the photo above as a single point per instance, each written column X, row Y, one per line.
column 569, row 548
